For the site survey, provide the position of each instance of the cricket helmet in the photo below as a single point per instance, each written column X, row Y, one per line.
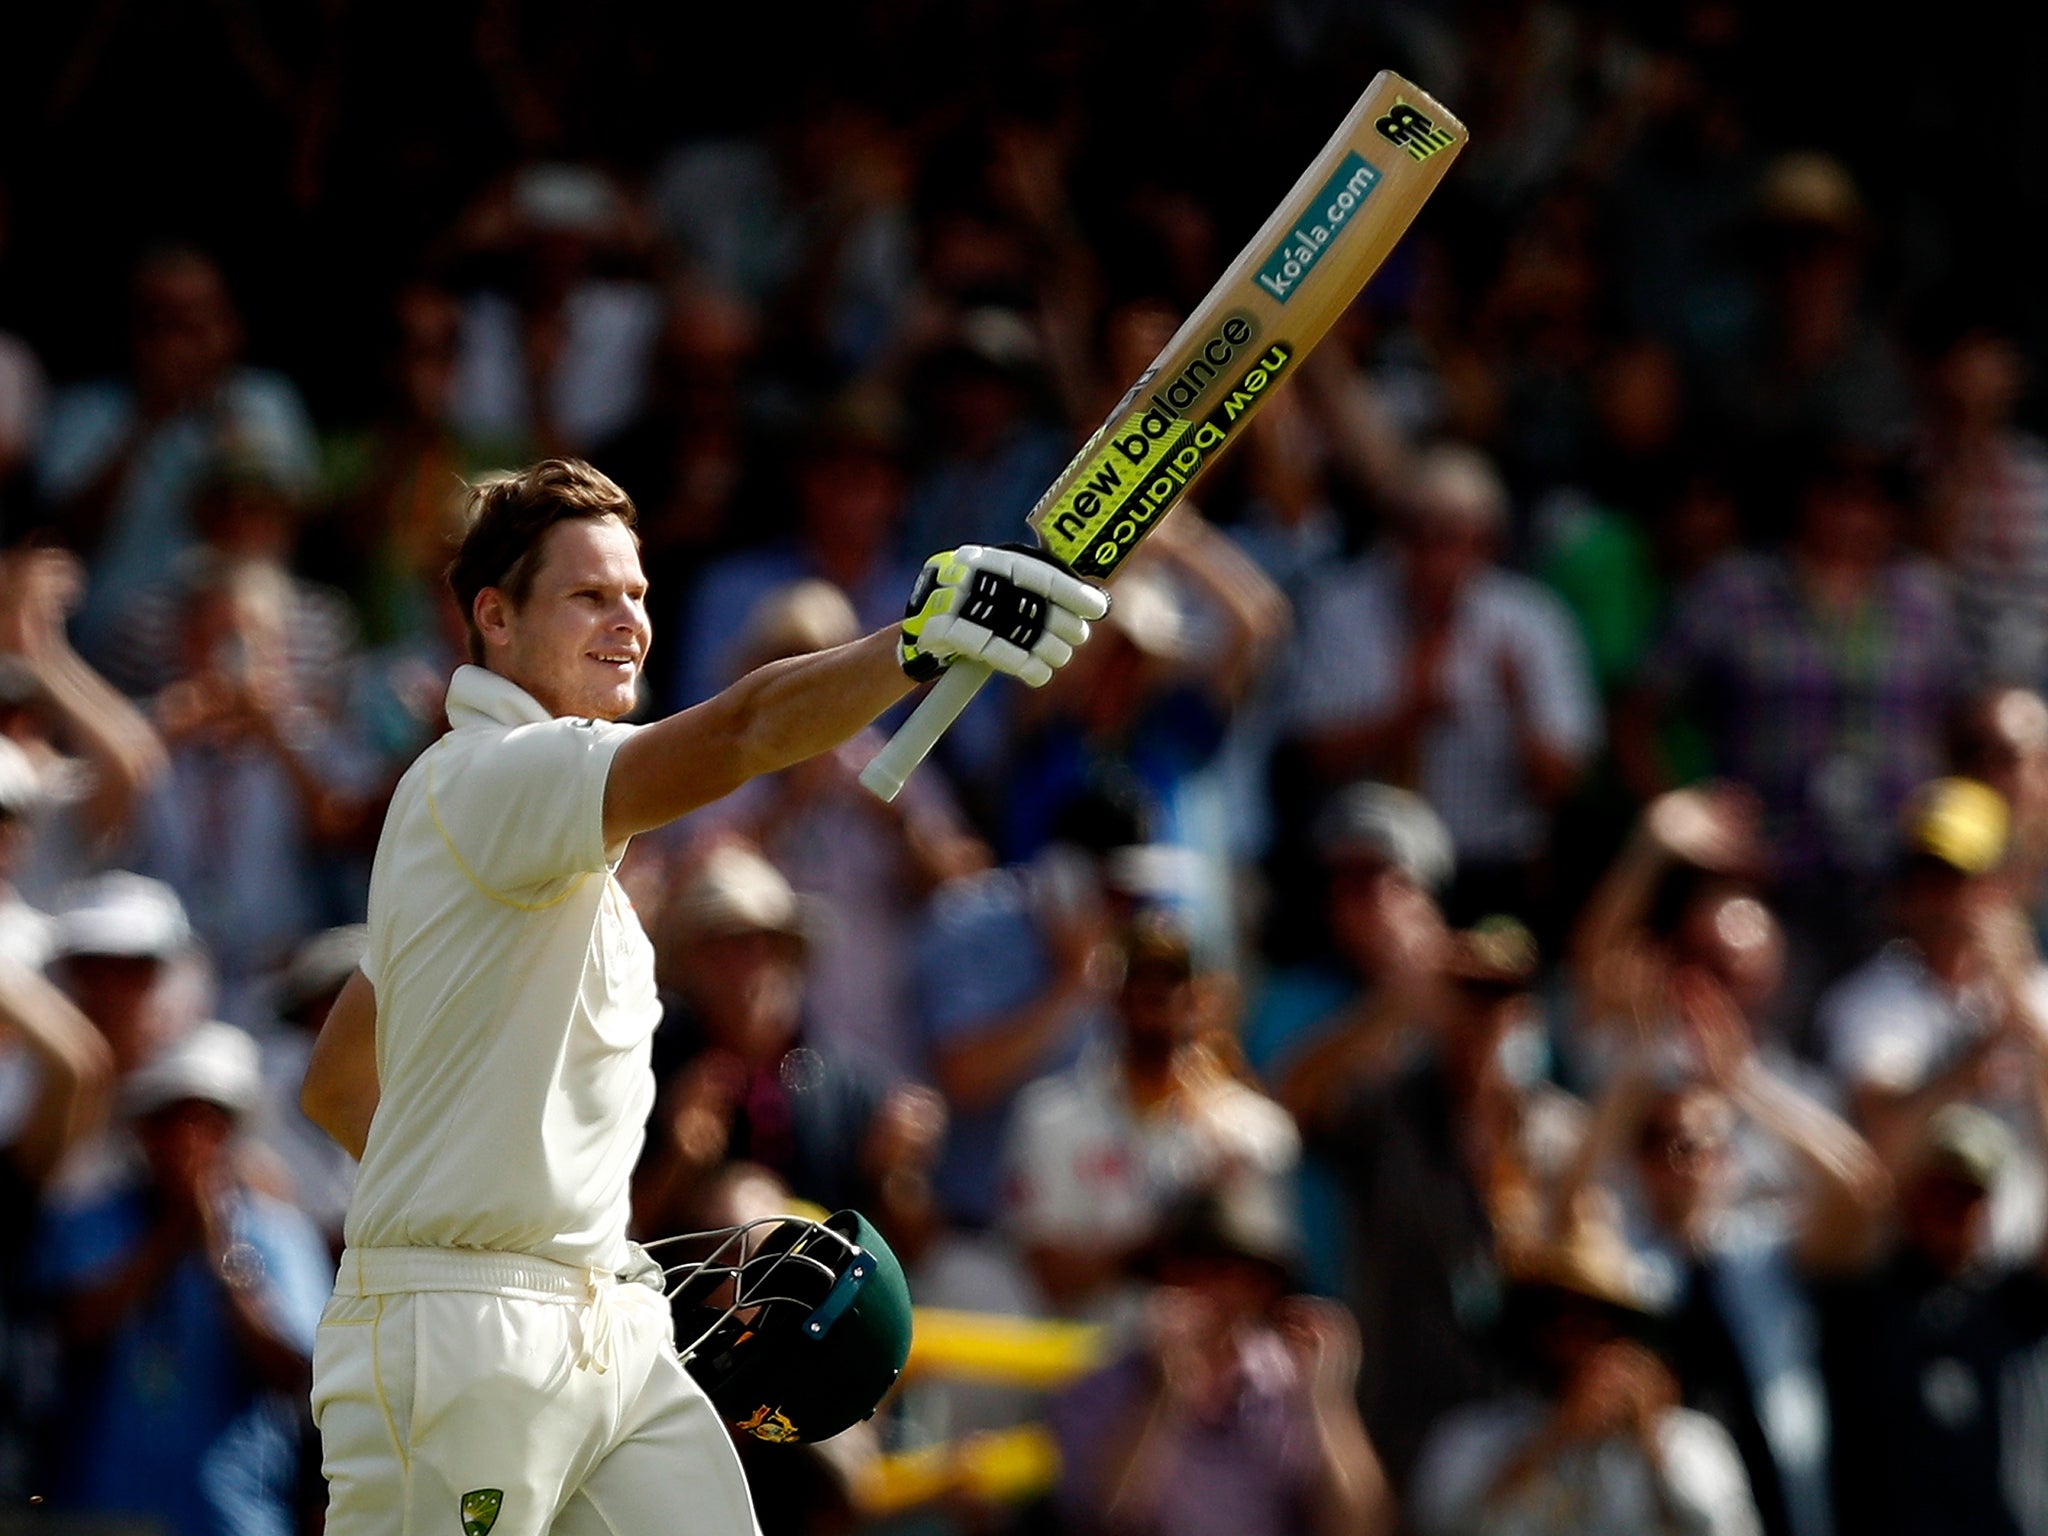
column 796, row 1329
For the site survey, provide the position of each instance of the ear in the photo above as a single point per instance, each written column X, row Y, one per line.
column 493, row 612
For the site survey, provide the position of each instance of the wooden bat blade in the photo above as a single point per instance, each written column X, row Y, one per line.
column 1308, row 261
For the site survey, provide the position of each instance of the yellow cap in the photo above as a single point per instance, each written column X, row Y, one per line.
column 1959, row 821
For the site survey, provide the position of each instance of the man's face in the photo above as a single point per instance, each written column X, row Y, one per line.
column 578, row 642
column 185, row 328
column 124, row 997
column 748, row 988
column 1159, row 1007
column 1442, row 553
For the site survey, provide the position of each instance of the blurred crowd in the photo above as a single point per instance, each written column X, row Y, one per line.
column 1503, row 988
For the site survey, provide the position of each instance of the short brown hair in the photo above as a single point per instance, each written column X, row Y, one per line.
column 509, row 516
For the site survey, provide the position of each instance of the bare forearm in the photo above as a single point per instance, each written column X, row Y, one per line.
column 76, row 1069
column 976, row 1073
column 341, row 1090
column 1608, row 950
column 781, row 714
column 124, row 749
column 1360, row 1048
column 1851, row 1189
column 1353, row 1498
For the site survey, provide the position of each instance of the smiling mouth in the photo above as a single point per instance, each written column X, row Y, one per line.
column 614, row 658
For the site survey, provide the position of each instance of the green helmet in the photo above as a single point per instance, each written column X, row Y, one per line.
column 815, row 1333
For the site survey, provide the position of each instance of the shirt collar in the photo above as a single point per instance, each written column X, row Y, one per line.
column 479, row 696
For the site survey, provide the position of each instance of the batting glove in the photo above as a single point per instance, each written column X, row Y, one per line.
column 1011, row 608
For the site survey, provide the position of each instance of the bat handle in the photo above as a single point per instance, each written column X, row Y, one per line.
column 960, row 682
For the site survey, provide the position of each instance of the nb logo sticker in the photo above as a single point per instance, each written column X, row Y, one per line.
column 1414, row 130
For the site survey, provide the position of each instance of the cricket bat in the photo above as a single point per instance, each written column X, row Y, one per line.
column 1245, row 339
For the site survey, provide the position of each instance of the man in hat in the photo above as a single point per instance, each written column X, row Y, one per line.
column 1436, row 669
column 1099, row 1154
column 1935, row 1355
column 188, row 1303
column 126, row 955
column 1948, row 1010
column 1593, row 1443
column 740, row 1077
column 1234, row 1411
column 1443, row 1136
column 1384, row 857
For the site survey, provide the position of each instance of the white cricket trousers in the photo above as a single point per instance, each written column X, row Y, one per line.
column 466, row 1393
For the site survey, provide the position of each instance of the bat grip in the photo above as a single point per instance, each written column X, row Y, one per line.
column 956, row 687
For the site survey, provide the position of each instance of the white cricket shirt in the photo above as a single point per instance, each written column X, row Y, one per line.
column 515, row 993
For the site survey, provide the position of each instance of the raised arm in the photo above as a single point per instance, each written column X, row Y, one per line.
column 76, row 1070
column 785, row 712
column 1008, row 609
column 38, row 587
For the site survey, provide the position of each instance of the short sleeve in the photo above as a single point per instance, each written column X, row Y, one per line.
column 527, row 810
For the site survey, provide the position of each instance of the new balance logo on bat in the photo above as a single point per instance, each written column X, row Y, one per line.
column 1413, row 130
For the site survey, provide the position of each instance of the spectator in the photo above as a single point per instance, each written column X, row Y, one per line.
column 1445, row 1145
column 849, row 506
column 1194, row 629
column 94, row 757
column 1012, row 983
column 868, row 866
column 261, row 788
column 120, row 459
column 560, row 318
column 1682, row 895
column 1822, row 673
column 1433, row 669
column 391, row 506
column 1385, row 856
column 1234, row 1410
column 2001, row 739
column 1100, row 1154
column 1986, row 496
column 63, row 1069
column 1931, row 1017
column 188, row 1302
column 1936, row 1355
column 998, row 439
column 1816, row 361
column 244, row 516
column 1595, row 1444
column 126, row 955
column 1727, row 1269
column 738, row 1078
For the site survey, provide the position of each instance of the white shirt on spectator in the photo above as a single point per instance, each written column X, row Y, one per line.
column 1085, row 1165
column 1604, row 1489
column 1890, row 1025
column 1351, row 661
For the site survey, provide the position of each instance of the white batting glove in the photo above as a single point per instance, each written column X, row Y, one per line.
column 1010, row 608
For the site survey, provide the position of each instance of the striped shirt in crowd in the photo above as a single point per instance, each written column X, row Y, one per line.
column 1832, row 717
